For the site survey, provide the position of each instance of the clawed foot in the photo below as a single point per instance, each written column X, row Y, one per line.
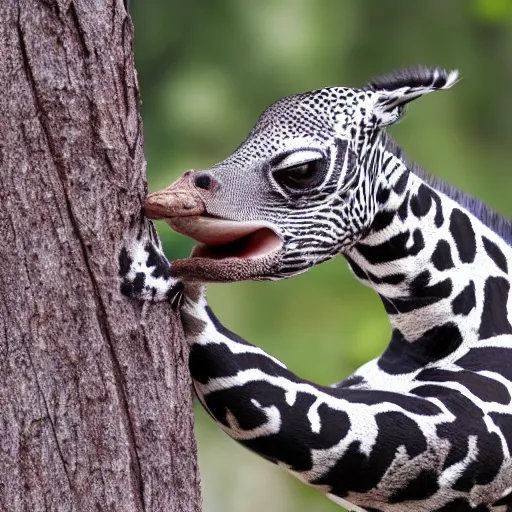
column 145, row 272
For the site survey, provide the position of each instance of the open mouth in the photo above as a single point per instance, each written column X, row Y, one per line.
column 222, row 239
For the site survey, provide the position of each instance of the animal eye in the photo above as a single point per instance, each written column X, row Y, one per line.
column 301, row 177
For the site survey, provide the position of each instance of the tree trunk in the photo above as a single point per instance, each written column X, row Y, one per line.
column 95, row 402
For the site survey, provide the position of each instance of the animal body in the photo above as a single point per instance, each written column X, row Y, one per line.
column 425, row 427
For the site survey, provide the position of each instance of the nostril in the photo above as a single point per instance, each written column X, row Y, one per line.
column 202, row 180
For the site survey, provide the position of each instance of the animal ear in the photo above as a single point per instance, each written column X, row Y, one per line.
column 394, row 91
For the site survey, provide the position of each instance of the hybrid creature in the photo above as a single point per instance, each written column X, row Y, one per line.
column 427, row 426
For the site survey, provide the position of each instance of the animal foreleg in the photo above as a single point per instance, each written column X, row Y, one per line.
column 144, row 271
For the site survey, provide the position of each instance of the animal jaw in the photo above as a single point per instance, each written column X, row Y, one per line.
column 228, row 250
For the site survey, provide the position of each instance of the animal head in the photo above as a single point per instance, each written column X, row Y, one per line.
column 300, row 189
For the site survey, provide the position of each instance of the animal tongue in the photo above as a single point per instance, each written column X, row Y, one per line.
column 210, row 231
column 257, row 244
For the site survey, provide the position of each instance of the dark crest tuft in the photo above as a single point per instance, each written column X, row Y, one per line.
column 415, row 76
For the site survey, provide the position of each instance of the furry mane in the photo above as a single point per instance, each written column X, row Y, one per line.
column 498, row 223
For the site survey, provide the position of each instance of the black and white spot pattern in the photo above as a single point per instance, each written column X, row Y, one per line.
column 428, row 425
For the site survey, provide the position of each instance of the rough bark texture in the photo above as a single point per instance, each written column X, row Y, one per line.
column 95, row 403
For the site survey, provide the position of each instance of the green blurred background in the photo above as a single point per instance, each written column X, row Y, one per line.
column 208, row 68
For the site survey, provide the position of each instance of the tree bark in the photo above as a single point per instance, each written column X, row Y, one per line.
column 95, row 401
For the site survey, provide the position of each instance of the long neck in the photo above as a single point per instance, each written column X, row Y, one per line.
column 444, row 276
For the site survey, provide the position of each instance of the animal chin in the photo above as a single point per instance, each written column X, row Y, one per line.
column 228, row 250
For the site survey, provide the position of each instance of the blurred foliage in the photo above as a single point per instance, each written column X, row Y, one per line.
column 208, row 69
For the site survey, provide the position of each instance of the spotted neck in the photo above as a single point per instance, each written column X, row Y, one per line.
column 444, row 277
